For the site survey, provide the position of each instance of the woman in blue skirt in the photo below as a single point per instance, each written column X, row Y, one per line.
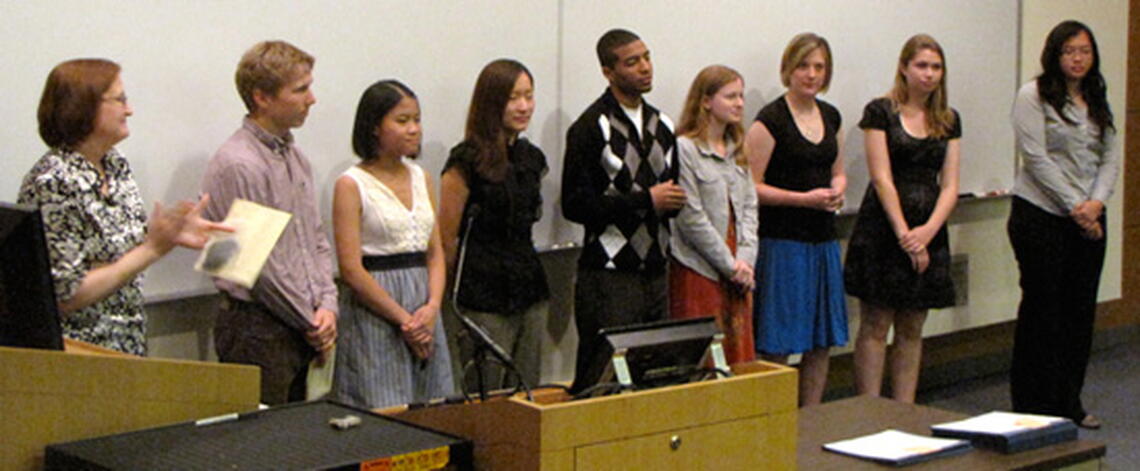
column 797, row 164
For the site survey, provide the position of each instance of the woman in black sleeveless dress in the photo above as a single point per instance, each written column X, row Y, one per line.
column 898, row 260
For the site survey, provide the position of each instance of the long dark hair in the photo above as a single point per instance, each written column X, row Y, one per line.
column 1051, row 83
column 375, row 103
column 485, row 116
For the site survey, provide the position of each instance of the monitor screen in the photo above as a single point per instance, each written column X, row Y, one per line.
column 660, row 353
column 29, row 315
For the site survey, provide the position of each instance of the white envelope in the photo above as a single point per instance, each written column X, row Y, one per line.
column 256, row 230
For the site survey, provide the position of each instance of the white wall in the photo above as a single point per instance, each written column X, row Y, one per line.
column 978, row 227
column 178, row 58
column 371, row 40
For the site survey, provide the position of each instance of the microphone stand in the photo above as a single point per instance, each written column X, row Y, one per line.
column 483, row 341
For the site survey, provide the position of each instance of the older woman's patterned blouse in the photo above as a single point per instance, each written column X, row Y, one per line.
column 86, row 229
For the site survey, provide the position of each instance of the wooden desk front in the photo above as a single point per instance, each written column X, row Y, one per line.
column 857, row 416
column 48, row 396
column 744, row 422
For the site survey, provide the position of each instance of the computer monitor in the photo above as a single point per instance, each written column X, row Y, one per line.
column 663, row 353
column 29, row 315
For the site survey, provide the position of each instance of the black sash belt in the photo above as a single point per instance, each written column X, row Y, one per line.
column 395, row 261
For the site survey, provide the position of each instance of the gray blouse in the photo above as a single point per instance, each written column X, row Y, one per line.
column 711, row 183
column 1063, row 164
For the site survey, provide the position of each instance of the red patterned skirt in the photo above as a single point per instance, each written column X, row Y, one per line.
column 692, row 295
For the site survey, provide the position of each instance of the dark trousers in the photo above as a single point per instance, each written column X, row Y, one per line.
column 1060, row 273
column 248, row 333
column 609, row 298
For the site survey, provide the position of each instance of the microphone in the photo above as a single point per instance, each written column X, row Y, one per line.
column 485, row 339
column 472, row 212
column 480, row 336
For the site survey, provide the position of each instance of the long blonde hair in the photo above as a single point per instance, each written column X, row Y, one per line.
column 939, row 118
column 695, row 118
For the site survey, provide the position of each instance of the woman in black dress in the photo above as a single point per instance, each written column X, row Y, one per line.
column 898, row 260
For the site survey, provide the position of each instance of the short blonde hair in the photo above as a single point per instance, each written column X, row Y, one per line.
column 798, row 49
column 268, row 66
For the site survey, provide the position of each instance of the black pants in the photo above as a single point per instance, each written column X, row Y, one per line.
column 1060, row 273
column 609, row 298
column 250, row 334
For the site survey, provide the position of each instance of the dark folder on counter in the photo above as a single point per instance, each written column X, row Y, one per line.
column 1009, row 432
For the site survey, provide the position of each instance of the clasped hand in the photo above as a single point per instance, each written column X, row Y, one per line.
column 920, row 260
column 1087, row 215
column 914, row 243
column 825, row 199
column 917, row 238
column 418, row 331
column 742, row 276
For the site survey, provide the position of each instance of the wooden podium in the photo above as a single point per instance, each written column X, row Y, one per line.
column 747, row 421
column 51, row 396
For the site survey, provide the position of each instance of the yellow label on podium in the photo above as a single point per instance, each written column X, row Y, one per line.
column 423, row 460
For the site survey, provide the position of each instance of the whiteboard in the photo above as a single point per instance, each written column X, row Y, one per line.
column 979, row 38
column 178, row 59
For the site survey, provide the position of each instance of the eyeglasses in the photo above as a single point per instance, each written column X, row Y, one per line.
column 121, row 98
column 1073, row 51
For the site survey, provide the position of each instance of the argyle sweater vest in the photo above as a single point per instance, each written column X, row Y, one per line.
column 635, row 241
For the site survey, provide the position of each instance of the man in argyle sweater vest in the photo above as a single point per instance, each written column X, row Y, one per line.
column 619, row 182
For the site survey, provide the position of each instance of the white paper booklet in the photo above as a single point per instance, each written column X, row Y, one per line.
column 895, row 447
column 1000, row 423
column 239, row 256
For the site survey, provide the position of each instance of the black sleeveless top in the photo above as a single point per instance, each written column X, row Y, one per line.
column 798, row 164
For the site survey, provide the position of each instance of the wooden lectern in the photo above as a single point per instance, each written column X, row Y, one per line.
column 747, row 421
column 51, row 396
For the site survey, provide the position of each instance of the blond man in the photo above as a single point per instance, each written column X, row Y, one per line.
column 289, row 316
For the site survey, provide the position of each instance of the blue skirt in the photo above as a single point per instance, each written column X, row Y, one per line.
column 799, row 300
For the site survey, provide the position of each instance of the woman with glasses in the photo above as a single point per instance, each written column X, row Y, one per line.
column 1056, row 224
column 98, row 235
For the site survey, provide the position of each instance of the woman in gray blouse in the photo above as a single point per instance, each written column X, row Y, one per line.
column 1057, row 225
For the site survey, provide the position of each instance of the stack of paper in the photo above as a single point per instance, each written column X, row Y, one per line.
column 1008, row 432
column 898, row 448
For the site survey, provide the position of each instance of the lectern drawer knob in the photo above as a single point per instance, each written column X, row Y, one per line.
column 674, row 442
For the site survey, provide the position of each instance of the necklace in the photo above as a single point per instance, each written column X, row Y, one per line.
column 807, row 120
